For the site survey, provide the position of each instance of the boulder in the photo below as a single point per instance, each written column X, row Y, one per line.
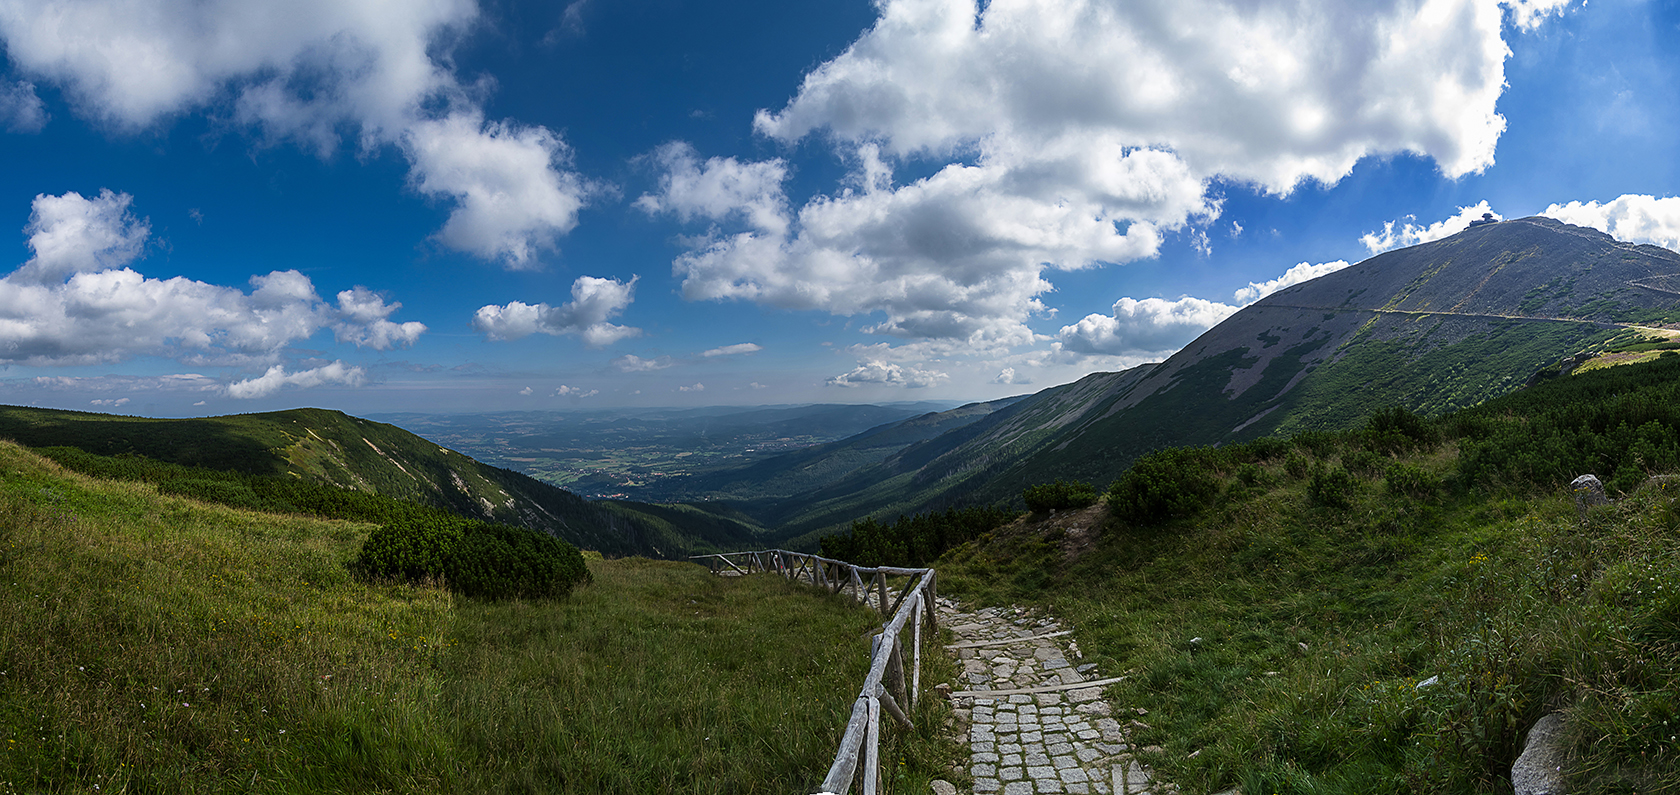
column 1539, row 771
column 1588, row 492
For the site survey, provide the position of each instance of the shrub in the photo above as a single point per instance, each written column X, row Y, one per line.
column 1332, row 488
column 1060, row 494
column 1175, row 482
column 1395, row 429
column 474, row 559
column 1412, row 481
column 913, row 540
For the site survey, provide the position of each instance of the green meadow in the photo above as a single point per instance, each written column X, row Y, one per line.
column 151, row 643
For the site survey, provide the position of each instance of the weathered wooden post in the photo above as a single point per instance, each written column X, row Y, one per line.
column 916, row 677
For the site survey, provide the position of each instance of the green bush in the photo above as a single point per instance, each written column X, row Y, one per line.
column 474, row 559
column 1332, row 488
column 913, row 540
column 1412, row 481
column 1170, row 483
column 1057, row 495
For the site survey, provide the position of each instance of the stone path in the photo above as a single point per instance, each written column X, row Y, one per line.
column 1034, row 715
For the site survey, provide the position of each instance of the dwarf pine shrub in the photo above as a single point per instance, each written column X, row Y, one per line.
column 1058, row 495
column 475, row 559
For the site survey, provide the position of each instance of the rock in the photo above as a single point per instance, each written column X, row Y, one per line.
column 1588, row 492
column 943, row 787
column 943, row 689
column 1539, row 771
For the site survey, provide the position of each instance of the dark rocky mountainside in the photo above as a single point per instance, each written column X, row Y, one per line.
column 1433, row 327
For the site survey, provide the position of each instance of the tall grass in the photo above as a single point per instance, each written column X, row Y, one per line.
column 1386, row 630
column 153, row 644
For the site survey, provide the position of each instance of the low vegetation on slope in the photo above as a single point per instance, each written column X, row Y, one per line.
column 1387, row 609
column 303, row 458
column 152, row 643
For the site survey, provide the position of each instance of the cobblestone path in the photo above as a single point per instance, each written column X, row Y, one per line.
column 1034, row 716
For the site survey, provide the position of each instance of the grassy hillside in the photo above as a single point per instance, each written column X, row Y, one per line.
column 149, row 643
column 1387, row 609
column 336, row 449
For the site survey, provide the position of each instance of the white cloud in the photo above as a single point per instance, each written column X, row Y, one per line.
column 525, row 391
column 594, row 301
column 21, row 111
column 1140, row 327
column 310, row 71
column 1410, row 234
column 111, row 403
column 1008, row 376
column 731, row 350
column 70, row 234
column 76, row 302
column 756, row 385
column 1528, row 14
column 879, row 373
column 695, row 388
column 717, row 189
column 277, row 378
column 511, row 200
column 1631, row 218
column 575, row 393
column 1069, row 135
column 630, row 363
column 1300, row 273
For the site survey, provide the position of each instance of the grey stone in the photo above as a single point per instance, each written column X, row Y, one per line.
column 1073, row 775
column 1064, row 762
column 1087, row 755
column 1099, row 708
column 983, row 771
column 985, row 756
column 1011, row 760
column 1038, row 758
column 1041, row 772
column 1589, row 492
column 1060, row 748
column 942, row 787
column 987, row 785
column 1079, row 789
column 1012, row 773
column 1539, row 770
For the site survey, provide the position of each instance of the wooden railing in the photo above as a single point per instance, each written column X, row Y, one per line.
column 884, row 686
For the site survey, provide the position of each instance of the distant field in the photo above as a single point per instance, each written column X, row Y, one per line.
column 634, row 454
column 153, row 644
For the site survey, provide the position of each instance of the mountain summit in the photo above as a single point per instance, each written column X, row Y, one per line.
column 1433, row 327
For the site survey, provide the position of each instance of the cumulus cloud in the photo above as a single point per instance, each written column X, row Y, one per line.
column 1528, row 14
column 309, row 71
column 1065, row 136
column 1632, row 218
column 718, row 188
column 1008, row 376
column 694, row 388
column 630, row 363
column 511, row 200
column 21, row 111
column 576, row 393
column 594, row 301
column 731, row 350
column 1150, row 325
column 1300, row 273
column 1410, row 234
column 110, row 403
column 879, row 373
column 76, row 301
column 277, row 378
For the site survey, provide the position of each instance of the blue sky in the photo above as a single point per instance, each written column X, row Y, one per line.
column 374, row 206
